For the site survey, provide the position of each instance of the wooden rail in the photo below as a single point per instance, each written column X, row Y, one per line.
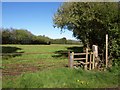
column 79, row 59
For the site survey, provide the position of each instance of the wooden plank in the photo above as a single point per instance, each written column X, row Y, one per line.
column 90, row 52
column 84, row 62
column 79, row 53
column 77, row 64
column 79, row 59
column 81, row 62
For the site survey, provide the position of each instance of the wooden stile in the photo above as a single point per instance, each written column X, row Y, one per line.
column 83, row 61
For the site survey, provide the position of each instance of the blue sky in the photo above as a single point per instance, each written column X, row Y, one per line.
column 33, row 16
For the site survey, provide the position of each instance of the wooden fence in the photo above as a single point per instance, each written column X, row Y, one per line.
column 87, row 62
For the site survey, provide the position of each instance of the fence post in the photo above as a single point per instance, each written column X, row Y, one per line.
column 71, row 59
column 93, row 66
column 68, row 58
column 90, row 61
column 106, row 50
column 86, row 59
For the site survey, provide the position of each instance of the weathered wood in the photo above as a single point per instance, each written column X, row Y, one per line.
column 81, row 62
column 93, row 64
column 77, row 64
column 82, row 53
column 106, row 50
column 79, row 53
column 90, row 61
column 68, row 58
column 71, row 59
column 79, row 59
column 95, row 50
column 86, row 59
column 84, row 63
column 90, row 52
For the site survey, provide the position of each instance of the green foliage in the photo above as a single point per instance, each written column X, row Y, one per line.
column 22, row 36
column 114, row 46
column 90, row 22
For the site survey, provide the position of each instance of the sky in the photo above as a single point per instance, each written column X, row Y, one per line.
column 36, row 17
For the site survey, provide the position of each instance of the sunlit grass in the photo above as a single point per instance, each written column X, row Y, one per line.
column 50, row 71
column 63, row 78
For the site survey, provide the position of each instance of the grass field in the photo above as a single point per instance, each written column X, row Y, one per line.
column 48, row 69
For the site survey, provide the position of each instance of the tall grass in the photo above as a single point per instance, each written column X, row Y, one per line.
column 64, row 78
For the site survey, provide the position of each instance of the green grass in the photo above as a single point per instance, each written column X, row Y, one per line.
column 63, row 78
column 50, row 71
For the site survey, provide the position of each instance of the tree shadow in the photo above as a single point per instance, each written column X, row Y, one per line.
column 76, row 49
column 64, row 53
column 60, row 54
column 9, row 52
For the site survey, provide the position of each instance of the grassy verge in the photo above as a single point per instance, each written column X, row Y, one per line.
column 63, row 78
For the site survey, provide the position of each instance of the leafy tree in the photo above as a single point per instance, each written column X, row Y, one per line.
column 90, row 22
column 22, row 36
column 64, row 40
column 5, row 36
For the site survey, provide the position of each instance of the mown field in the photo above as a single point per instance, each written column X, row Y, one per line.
column 45, row 66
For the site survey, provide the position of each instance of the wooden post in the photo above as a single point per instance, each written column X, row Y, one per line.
column 90, row 61
column 93, row 66
column 86, row 59
column 71, row 59
column 68, row 58
column 106, row 50
column 95, row 54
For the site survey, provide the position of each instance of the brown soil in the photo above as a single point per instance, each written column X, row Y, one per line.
column 17, row 69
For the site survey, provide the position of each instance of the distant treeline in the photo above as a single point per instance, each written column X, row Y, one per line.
column 22, row 36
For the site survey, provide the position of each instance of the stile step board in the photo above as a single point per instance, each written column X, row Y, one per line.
column 82, row 53
column 79, row 59
column 77, row 63
column 81, row 63
column 84, row 62
column 90, row 53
